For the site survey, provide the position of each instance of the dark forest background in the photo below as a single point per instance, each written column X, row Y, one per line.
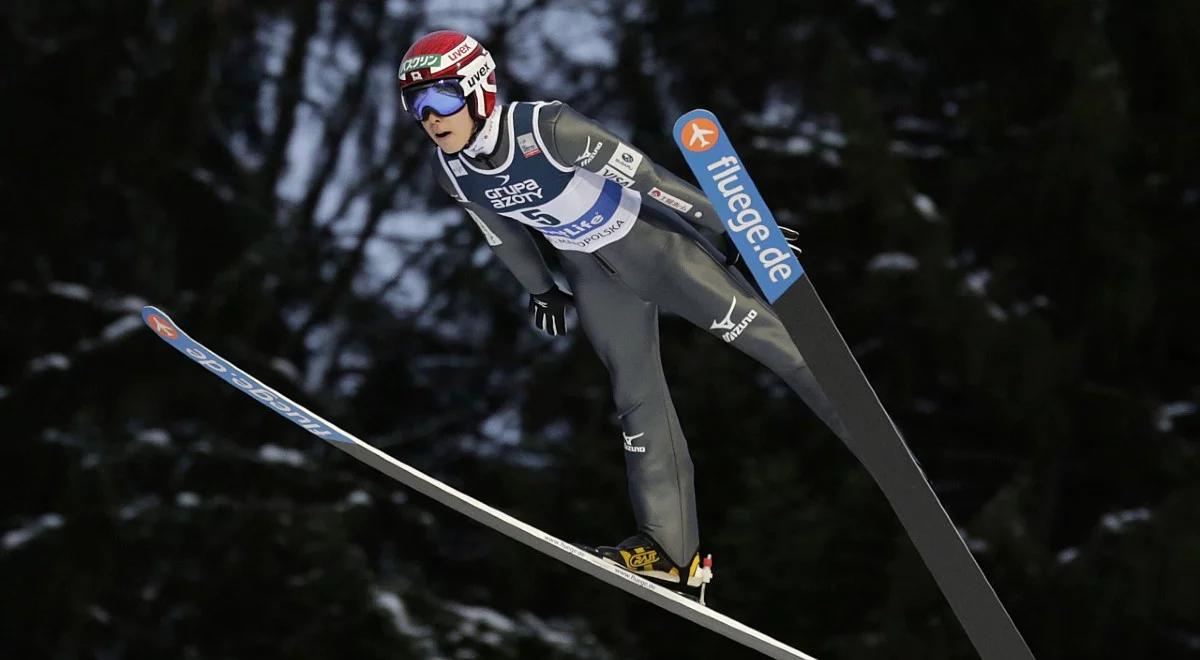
column 998, row 203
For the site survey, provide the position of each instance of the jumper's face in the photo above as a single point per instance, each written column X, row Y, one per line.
column 451, row 132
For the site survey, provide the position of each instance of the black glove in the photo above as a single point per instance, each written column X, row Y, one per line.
column 732, row 256
column 549, row 311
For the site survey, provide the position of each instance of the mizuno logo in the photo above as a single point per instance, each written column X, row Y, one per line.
column 727, row 324
column 630, row 447
column 589, row 152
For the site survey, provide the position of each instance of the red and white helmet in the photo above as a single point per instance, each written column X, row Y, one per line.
column 447, row 54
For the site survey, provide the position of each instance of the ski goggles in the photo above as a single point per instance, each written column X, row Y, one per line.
column 445, row 97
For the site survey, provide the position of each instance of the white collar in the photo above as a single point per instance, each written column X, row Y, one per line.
column 487, row 137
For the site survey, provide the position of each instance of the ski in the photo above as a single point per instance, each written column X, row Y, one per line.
column 170, row 332
column 874, row 438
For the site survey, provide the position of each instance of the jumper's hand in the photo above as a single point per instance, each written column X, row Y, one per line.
column 792, row 237
column 549, row 311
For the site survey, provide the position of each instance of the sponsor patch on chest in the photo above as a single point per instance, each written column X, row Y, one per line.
column 528, row 145
column 514, row 194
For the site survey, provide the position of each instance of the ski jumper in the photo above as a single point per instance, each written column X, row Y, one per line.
column 633, row 240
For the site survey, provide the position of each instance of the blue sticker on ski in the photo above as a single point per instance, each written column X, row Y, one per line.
column 166, row 329
column 745, row 215
column 871, row 435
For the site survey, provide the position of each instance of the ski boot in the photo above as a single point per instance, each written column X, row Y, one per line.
column 639, row 554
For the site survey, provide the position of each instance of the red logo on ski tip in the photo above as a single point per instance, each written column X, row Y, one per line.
column 162, row 327
column 699, row 134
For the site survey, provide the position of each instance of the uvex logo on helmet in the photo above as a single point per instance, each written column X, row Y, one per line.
column 462, row 51
column 475, row 73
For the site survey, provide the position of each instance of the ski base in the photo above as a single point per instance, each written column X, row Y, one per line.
column 568, row 553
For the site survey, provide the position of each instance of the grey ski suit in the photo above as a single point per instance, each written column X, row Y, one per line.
column 633, row 239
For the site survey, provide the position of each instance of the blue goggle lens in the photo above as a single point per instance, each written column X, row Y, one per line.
column 445, row 98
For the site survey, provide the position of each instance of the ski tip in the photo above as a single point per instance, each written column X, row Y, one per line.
column 690, row 115
column 158, row 321
column 150, row 311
